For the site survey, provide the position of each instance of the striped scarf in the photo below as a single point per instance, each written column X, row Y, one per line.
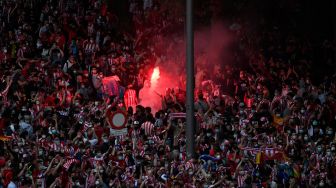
column 69, row 162
column 269, row 153
column 177, row 115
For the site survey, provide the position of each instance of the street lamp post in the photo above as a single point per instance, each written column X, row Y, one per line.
column 190, row 127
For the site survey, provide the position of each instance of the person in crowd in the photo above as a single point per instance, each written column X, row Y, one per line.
column 268, row 125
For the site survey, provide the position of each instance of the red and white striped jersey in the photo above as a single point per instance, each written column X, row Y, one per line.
column 55, row 147
column 91, row 48
column 148, row 127
column 241, row 179
column 130, row 98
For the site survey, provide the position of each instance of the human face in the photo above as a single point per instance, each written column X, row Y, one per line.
column 94, row 71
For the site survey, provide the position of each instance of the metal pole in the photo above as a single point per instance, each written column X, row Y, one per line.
column 190, row 127
column 334, row 23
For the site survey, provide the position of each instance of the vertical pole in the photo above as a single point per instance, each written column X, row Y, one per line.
column 334, row 28
column 190, row 129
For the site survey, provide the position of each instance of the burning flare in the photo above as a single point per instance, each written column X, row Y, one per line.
column 148, row 94
column 154, row 79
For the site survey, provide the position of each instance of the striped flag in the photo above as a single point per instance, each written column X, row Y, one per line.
column 69, row 162
column 111, row 86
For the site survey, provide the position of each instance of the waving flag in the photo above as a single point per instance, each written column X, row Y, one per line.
column 110, row 85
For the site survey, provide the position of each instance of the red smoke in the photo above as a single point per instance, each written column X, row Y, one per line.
column 211, row 53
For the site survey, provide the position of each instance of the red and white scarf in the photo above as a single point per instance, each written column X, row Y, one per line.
column 69, row 162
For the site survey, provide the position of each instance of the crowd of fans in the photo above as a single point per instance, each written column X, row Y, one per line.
column 270, row 125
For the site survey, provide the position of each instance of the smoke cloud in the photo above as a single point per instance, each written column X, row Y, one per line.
column 212, row 53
